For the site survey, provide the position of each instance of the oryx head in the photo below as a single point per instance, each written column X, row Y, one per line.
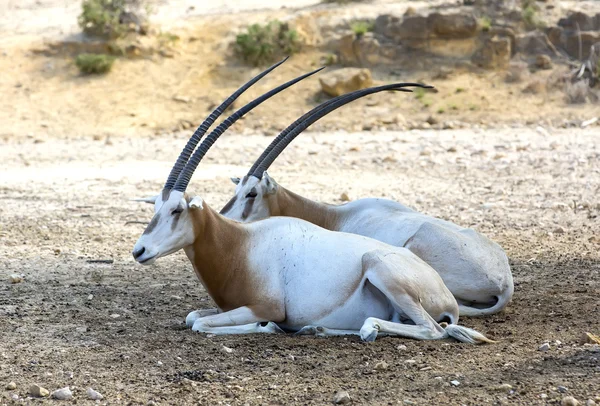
column 255, row 195
column 254, row 199
column 172, row 227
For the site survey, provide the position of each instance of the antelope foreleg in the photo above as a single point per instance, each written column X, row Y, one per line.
column 243, row 320
column 197, row 314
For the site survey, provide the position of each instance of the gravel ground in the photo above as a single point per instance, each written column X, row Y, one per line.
column 118, row 327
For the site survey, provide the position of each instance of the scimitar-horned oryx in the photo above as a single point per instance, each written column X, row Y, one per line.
column 474, row 268
column 286, row 273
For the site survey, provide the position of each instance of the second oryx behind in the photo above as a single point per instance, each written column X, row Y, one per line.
column 474, row 268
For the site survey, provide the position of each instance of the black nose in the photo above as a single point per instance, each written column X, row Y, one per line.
column 138, row 253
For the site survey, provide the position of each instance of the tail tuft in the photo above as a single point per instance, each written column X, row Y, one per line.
column 466, row 335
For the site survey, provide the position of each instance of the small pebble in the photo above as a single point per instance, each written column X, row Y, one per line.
column 569, row 401
column 226, row 350
column 381, row 366
column 14, row 396
column 505, row 387
column 454, row 383
column 590, row 402
column 11, row 386
column 159, row 363
column 38, row 392
column 90, row 297
column 544, row 347
column 344, row 197
column 14, row 278
column 341, row 397
column 401, row 347
column 62, row 394
column 562, row 389
column 92, row 394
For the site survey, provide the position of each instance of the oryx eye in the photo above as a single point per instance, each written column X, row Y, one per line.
column 177, row 211
column 251, row 195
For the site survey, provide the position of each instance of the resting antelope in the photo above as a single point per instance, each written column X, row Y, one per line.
column 474, row 268
column 286, row 273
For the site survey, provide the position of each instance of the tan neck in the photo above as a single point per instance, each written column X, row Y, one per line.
column 219, row 255
column 288, row 203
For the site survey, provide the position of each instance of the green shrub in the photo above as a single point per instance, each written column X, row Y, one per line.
column 112, row 18
column 361, row 27
column 101, row 17
column 262, row 44
column 530, row 15
column 94, row 63
column 485, row 23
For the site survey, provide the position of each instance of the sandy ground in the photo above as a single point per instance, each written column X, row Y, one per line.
column 119, row 328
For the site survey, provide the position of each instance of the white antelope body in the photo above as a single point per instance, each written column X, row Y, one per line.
column 288, row 273
column 474, row 268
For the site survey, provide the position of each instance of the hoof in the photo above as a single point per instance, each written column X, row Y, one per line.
column 191, row 318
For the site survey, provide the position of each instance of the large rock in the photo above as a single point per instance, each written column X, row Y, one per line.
column 458, row 25
column 534, row 43
column 588, row 39
column 445, row 26
column 580, row 21
column 345, row 80
column 494, row 54
column 448, row 35
column 363, row 50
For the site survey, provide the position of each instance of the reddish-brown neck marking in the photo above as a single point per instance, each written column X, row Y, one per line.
column 219, row 255
column 288, row 203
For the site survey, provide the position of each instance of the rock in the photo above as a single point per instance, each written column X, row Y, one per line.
column 495, row 54
column 559, row 230
column 14, row 278
column 345, row 80
column 581, row 21
column 588, row 39
column 454, row 383
column 534, row 42
column 341, row 398
column 561, row 389
column 11, row 386
column 92, row 394
column 543, row 61
column 381, row 366
column 390, row 159
column 38, row 392
column 62, row 394
column 344, row 197
column 590, row 402
column 569, row 401
column 458, row 25
column 226, row 350
column 544, row 347
column 505, row 387
column 411, row 28
column 589, row 338
column 401, row 347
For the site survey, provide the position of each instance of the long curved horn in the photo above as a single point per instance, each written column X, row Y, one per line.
column 292, row 131
column 201, row 130
column 186, row 174
column 290, row 127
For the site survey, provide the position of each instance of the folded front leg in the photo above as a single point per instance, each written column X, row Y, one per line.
column 197, row 314
column 243, row 320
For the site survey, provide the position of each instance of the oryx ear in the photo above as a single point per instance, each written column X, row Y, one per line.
column 235, row 180
column 151, row 199
column 196, row 203
column 270, row 184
